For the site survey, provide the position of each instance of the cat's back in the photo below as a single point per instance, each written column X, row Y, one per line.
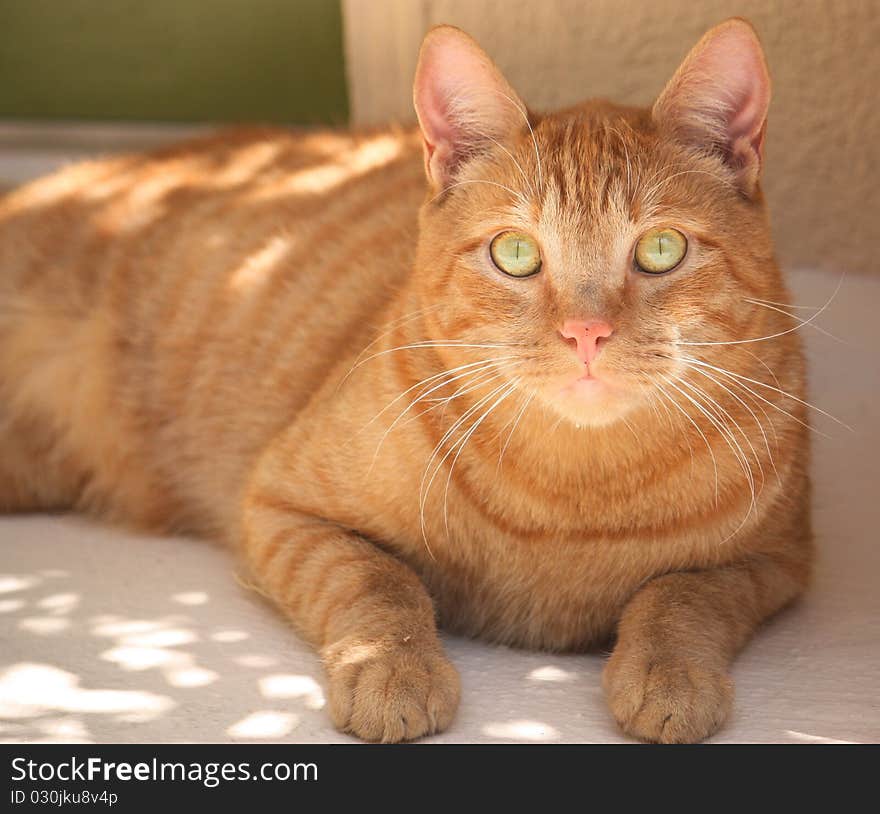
column 193, row 297
column 222, row 193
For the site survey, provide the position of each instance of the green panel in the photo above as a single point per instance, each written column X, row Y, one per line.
column 179, row 60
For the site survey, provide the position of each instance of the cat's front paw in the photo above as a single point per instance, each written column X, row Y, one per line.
column 663, row 696
column 391, row 692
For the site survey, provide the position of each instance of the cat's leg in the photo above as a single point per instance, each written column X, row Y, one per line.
column 667, row 680
column 366, row 612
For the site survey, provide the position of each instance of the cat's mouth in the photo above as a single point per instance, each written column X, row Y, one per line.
column 587, row 385
column 592, row 397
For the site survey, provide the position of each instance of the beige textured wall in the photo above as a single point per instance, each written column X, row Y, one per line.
column 823, row 149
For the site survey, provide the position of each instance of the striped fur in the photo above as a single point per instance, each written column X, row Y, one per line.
column 230, row 338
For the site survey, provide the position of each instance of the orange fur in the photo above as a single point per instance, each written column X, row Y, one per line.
column 231, row 338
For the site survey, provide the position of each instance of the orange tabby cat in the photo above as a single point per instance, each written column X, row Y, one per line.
column 525, row 402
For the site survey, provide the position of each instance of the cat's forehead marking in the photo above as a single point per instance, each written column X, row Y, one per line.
column 586, row 211
column 589, row 175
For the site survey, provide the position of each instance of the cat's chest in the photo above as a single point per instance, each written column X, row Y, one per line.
column 552, row 574
column 535, row 557
column 537, row 590
column 551, row 562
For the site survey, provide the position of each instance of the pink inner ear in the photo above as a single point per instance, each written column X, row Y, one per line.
column 461, row 100
column 738, row 68
column 433, row 107
column 444, row 67
column 721, row 92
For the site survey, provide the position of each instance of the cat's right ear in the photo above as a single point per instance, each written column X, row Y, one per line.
column 462, row 101
column 718, row 99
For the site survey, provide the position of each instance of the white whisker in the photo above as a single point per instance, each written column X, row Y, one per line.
column 722, row 431
column 444, row 343
column 723, row 414
column 431, row 379
column 423, row 492
column 630, row 428
column 697, row 428
column 463, row 442
column 442, row 403
column 739, row 376
column 815, row 327
column 513, row 430
column 650, row 193
column 628, row 164
column 399, row 322
column 781, row 333
column 391, row 327
column 516, row 163
column 788, row 305
column 525, row 116
column 518, row 195
column 743, row 462
column 751, row 413
column 490, row 365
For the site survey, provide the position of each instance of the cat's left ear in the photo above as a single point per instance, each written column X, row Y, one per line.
column 462, row 101
column 718, row 99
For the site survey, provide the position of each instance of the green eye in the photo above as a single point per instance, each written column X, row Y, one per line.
column 660, row 250
column 516, row 254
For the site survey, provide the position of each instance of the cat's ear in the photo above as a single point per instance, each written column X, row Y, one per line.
column 462, row 101
column 718, row 99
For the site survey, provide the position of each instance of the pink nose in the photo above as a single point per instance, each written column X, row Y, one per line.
column 588, row 335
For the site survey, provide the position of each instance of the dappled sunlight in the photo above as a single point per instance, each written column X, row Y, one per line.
column 293, row 686
column 319, row 179
column 256, row 660
column 87, row 182
column 68, row 729
column 259, row 266
column 191, row 598
column 109, row 626
column 359, row 159
column 136, row 664
column 805, row 738
column 59, row 604
column 521, row 731
column 326, row 143
column 142, row 203
column 44, row 625
column 30, row 689
column 10, row 584
column 248, row 162
column 143, row 645
column 178, row 668
column 264, row 724
column 191, row 677
column 138, row 658
column 229, row 636
column 551, row 673
column 174, row 663
column 172, row 637
column 357, row 653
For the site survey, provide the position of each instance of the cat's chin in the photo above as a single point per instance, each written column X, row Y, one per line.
column 592, row 401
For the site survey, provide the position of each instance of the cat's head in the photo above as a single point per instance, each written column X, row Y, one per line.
column 593, row 250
